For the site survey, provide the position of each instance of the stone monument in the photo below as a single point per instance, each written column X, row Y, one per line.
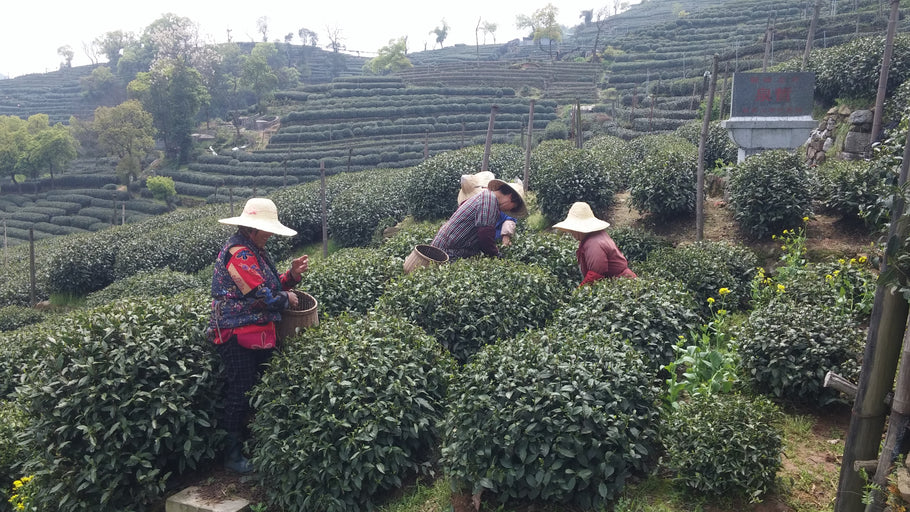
column 770, row 111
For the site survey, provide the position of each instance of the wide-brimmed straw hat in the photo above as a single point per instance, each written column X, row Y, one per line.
column 521, row 210
column 581, row 220
column 260, row 213
column 472, row 184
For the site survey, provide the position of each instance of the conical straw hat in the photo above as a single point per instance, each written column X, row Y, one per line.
column 582, row 220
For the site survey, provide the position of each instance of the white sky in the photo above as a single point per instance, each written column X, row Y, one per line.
column 33, row 30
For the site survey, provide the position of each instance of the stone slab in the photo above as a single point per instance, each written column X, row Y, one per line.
column 188, row 500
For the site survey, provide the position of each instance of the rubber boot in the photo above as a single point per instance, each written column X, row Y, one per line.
column 233, row 456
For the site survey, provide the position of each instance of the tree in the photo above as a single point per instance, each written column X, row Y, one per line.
column 390, row 58
column 127, row 132
column 262, row 26
column 14, row 137
column 543, row 25
column 257, row 74
column 173, row 93
column 50, row 149
column 336, row 40
column 162, row 188
column 602, row 15
column 102, row 87
column 488, row 27
column 113, row 43
column 66, row 52
column 441, row 33
column 308, row 37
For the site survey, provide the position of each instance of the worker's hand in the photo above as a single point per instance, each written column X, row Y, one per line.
column 299, row 266
column 292, row 300
column 506, row 240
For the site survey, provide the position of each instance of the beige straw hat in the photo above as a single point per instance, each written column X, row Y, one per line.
column 472, row 184
column 581, row 220
column 262, row 214
column 522, row 209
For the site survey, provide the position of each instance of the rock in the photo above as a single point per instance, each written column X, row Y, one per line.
column 903, row 482
column 829, row 143
column 843, row 110
column 861, row 117
column 857, row 142
column 44, row 305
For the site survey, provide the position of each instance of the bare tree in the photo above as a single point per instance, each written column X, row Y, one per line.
column 488, row 27
column 336, row 41
column 308, row 37
column 66, row 52
column 262, row 26
column 91, row 51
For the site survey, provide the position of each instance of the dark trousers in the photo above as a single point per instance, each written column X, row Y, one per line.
column 242, row 369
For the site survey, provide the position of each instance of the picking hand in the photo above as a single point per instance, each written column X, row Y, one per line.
column 299, row 266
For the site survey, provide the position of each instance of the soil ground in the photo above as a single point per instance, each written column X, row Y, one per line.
column 811, row 459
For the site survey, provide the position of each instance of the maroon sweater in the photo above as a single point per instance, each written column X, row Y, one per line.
column 599, row 257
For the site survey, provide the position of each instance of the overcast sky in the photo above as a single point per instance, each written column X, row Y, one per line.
column 33, row 30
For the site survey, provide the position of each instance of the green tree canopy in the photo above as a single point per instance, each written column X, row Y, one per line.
column 441, row 32
column 127, row 132
column 50, row 148
column 391, row 57
column 543, row 25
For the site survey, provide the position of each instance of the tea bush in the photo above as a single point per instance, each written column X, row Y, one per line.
column 719, row 147
column 126, row 398
column 431, row 189
column 300, row 206
column 79, row 264
column 723, row 444
column 12, row 422
column 884, row 170
column 148, row 284
column 19, row 349
column 551, row 416
column 561, row 175
column 637, row 244
column 554, row 252
column 349, row 414
column 614, row 154
column 474, row 302
column 663, row 175
column 846, row 187
column 843, row 71
column 359, row 209
column 706, row 267
column 14, row 317
column 787, row 347
column 651, row 313
column 769, row 192
column 349, row 280
column 407, row 237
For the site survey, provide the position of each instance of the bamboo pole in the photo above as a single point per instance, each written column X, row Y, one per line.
column 325, row 216
column 811, row 37
column 883, row 75
column 883, row 344
column 525, row 183
column 700, row 173
column 486, row 147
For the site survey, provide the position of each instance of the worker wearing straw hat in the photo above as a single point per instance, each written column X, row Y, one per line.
column 473, row 184
column 597, row 254
column 472, row 228
column 248, row 296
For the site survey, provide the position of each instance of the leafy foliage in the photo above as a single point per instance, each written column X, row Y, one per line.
column 360, row 208
column 843, row 71
column 126, row 399
column 613, row 153
column 848, row 186
column 651, row 313
column 349, row 280
column 663, row 175
column 431, row 189
column 722, row 444
column 769, row 192
column 562, row 175
column 719, row 147
column 12, row 421
column 551, row 416
column 554, row 252
column 706, row 267
column 407, row 237
column 148, row 284
column 473, row 301
column 787, row 348
column 14, row 317
column 348, row 412
column 637, row 244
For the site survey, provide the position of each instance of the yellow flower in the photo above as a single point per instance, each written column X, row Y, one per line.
column 829, row 277
column 805, row 219
column 721, row 312
column 836, row 272
column 783, row 247
column 781, row 288
column 710, row 300
column 723, row 291
column 862, row 259
column 841, row 261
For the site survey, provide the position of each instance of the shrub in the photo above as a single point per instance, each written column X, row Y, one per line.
column 769, row 192
column 551, row 416
column 407, row 237
column 723, row 444
column 556, row 130
column 637, row 244
column 162, row 187
column 134, row 378
column 554, row 252
column 562, row 175
column 473, row 302
column 651, row 313
column 847, row 186
column 431, row 189
column 14, row 317
column 843, row 71
column 349, row 280
column 706, row 267
column 613, row 153
column 348, row 413
column 359, row 209
column 787, row 348
column 719, row 147
column 662, row 180
column 12, row 422
column 80, row 264
column 146, row 284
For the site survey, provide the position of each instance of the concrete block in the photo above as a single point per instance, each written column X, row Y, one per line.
column 188, row 500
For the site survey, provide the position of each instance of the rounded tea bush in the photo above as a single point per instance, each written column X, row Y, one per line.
column 554, row 252
column 723, row 444
column 562, row 175
column 551, row 416
column 126, row 398
column 359, row 209
column 636, row 243
column 613, row 153
column 348, row 412
column 787, row 347
column 474, row 302
column 14, row 317
column 349, row 280
column 719, row 147
column 651, row 313
column 663, row 175
column 400, row 244
column 148, row 284
column 770, row 192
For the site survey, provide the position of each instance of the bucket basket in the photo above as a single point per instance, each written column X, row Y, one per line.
column 303, row 316
column 424, row 256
